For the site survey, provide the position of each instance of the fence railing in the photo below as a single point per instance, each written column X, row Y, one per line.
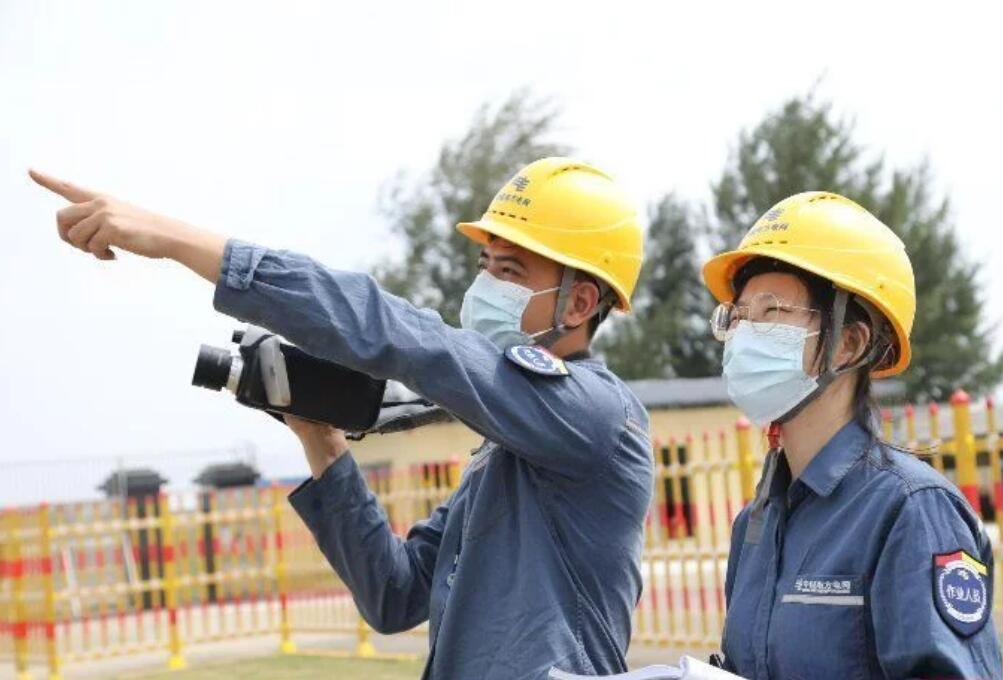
column 159, row 573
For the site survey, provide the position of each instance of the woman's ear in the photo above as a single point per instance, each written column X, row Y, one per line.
column 856, row 338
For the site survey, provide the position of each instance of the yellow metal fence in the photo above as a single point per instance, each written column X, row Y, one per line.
column 89, row 580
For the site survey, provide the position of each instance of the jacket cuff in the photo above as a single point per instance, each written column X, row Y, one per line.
column 340, row 486
column 240, row 261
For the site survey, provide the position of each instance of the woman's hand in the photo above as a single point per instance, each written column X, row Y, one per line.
column 95, row 223
column 322, row 443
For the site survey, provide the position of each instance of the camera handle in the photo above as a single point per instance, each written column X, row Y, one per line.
column 274, row 374
column 275, row 377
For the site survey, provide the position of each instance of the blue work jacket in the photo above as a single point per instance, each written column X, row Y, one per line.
column 535, row 560
column 869, row 565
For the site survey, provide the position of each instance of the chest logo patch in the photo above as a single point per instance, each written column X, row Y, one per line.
column 961, row 591
column 536, row 359
column 826, row 590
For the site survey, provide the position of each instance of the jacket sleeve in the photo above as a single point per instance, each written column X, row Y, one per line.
column 390, row 578
column 915, row 636
column 569, row 424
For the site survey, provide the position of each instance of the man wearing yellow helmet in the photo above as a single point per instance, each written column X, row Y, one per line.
column 855, row 559
column 535, row 560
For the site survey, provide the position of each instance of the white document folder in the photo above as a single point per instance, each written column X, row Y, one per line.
column 688, row 669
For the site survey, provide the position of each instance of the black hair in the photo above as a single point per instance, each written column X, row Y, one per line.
column 822, row 295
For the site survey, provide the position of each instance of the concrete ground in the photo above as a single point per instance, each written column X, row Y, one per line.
column 140, row 665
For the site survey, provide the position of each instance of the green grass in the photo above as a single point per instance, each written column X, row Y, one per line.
column 298, row 668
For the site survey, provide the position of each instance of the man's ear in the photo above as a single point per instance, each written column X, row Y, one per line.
column 582, row 301
column 856, row 338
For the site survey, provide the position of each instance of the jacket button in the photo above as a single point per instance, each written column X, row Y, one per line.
column 450, row 579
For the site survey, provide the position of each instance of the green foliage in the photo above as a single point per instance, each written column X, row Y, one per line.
column 952, row 339
column 803, row 146
column 665, row 335
column 800, row 147
column 439, row 263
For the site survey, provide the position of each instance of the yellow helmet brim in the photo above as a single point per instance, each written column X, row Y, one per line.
column 482, row 229
column 719, row 273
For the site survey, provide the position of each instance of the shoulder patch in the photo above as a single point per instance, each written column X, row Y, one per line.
column 536, row 359
column 961, row 591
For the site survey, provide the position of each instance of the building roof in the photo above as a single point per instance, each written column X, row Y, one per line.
column 694, row 392
column 657, row 393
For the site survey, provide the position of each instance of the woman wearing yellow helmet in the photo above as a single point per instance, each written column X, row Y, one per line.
column 854, row 559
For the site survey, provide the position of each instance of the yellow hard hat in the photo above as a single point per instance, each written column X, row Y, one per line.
column 833, row 237
column 572, row 213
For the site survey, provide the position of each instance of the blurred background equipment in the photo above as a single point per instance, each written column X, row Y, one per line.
column 213, row 478
column 139, row 489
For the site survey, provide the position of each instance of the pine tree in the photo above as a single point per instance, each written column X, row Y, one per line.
column 951, row 339
column 439, row 263
column 804, row 146
column 665, row 336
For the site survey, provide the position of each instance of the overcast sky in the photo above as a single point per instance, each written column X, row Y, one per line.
column 280, row 122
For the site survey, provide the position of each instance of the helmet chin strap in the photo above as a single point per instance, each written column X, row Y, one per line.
column 829, row 373
column 754, row 528
column 548, row 337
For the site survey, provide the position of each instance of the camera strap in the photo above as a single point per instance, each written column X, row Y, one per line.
column 406, row 421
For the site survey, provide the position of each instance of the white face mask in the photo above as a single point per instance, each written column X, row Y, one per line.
column 494, row 309
column 764, row 369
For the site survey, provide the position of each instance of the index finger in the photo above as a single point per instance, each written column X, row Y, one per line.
column 71, row 192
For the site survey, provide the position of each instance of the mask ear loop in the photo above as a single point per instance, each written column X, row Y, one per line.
column 880, row 347
column 828, row 374
column 567, row 281
column 558, row 330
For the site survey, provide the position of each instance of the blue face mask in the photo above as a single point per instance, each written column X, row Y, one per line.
column 764, row 369
column 494, row 308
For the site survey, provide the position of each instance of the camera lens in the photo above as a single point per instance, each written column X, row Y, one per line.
column 212, row 368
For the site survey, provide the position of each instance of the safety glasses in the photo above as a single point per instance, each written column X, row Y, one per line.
column 765, row 310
